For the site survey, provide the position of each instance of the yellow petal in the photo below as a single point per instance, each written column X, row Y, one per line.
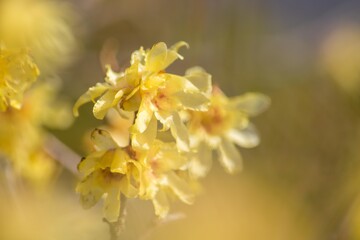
column 229, row 156
column 144, row 116
column 180, row 133
column 105, row 102
column 161, row 204
column 145, row 139
column 127, row 188
column 180, row 187
column 88, row 165
column 112, row 203
column 193, row 101
column 90, row 95
column 90, row 191
column 201, row 161
column 102, row 140
column 119, row 161
column 251, row 103
column 200, row 78
column 245, row 137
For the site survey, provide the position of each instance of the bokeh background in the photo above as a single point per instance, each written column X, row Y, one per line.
column 302, row 182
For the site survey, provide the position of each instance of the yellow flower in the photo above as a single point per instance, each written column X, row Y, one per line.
column 145, row 88
column 41, row 26
column 225, row 123
column 109, row 171
column 17, row 73
column 22, row 137
column 165, row 175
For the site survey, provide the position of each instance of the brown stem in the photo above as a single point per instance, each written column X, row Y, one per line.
column 116, row 228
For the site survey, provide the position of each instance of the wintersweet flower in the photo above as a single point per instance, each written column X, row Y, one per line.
column 165, row 177
column 224, row 125
column 23, row 138
column 17, row 73
column 109, row 171
column 145, row 88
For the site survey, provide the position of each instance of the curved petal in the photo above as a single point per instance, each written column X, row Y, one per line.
column 180, row 133
column 200, row 78
column 229, row 156
column 144, row 116
column 112, row 203
column 180, row 187
column 161, row 204
column 102, row 140
column 201, row 161
column 90, row 191
column 105, row 102
column 145, row 139
column 246, row 137
column 193, row 101
column 90, row 95
column 251, row 103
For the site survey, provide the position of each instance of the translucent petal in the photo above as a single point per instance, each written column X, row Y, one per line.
column 90, row 95
column 104, row 103
column 90, row 191
column 119, row 161
column 229, row 156
column 180, row 187
column 200, row 78
column 251, row 103
column 102, row 140
column 246, row 137
column 193, row 101
column 180, row 133
column 145, row 139
column 201, row 161
column 144, row 116
column 89, row 164
column 127, row 189
column 112, row 203
column 161, row 204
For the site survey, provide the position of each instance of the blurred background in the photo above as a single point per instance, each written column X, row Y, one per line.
column 302, row 182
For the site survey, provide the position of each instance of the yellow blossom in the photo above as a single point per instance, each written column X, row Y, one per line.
column 165, row 175
column 22, row 137
column 17, row 73
column 223, row 126
column 109, row 171
column 145, row 88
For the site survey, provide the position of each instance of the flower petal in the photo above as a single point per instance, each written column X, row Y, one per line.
column 90, row 191
column 245, row 137
column 193, row 101
column 145, row 139
column 112, row 203
column 251, row 103
column 102, row 140
column 200, row 78
column 161, row 204
column 201, row 161
column 229, row 156
column 180, row 133
column 90, row 95
column 180, row 187
column 144, row 116
column 104, row 103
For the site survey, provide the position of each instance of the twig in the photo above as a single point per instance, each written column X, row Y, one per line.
column 116, row 228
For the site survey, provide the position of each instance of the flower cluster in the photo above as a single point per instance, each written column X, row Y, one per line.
column 22, row 134
column 176, row 122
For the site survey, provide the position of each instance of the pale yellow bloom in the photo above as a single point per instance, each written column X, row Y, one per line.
column 223, row 126
column 145, row 88
column 165, row 177
column 17, row 73
column 22, row 137
column 109, row 171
